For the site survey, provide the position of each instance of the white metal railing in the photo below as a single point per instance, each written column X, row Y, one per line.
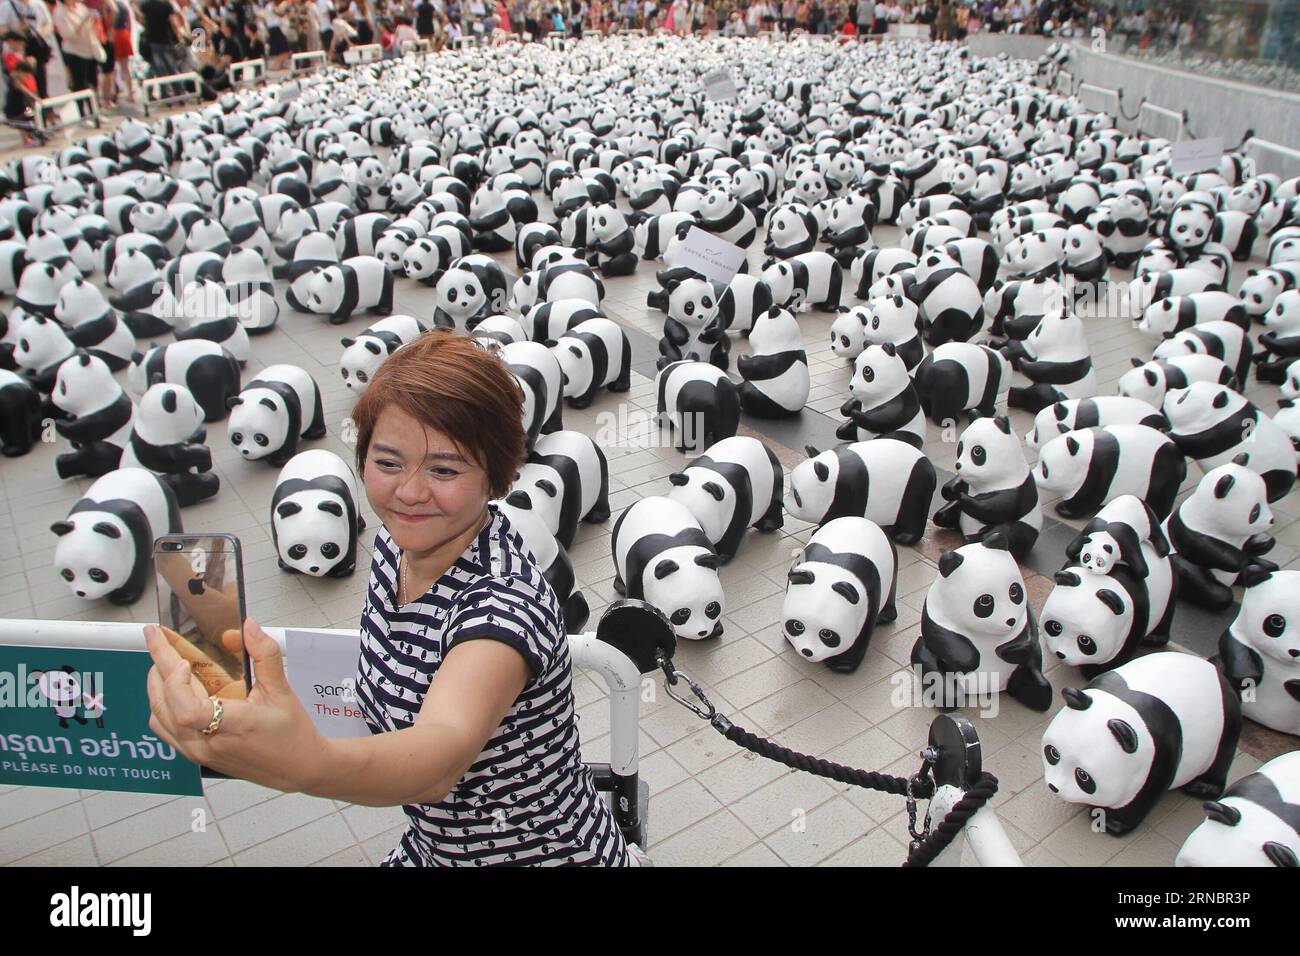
column 983, row 831
column 57, row 105
column 1107, row 100
column 419, row 45
column 152, row 95
column 247, row 71
column 1176, row 120
column 1286, row 162
column 366, row 53
column 305, row 62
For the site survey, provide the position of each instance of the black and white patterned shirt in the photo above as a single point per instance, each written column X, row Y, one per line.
column 528, row 798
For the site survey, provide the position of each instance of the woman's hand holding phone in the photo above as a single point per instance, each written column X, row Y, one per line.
column 267, row 738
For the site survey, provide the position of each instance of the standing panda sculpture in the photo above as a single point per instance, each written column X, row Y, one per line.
column 1255, row 823
column 1159, row 722
column 1219, row 535
column 698, row 402
column 993, row 490
column 840, row 587
column 594, row 354
column 363, row 355
column 338, row 291
column 1152, row 381
column 775, row 381
column 883, row 402
column 960, row 378
column 735, row 485
column 273, row 412
column 1259, row 652
column 1071, row 414
column 885, row 480
column 315, row 515
column 207, row 370
column 105, row 546
column 662, row 556
column 565, row 480
column 809, row 280
column 978, row 635
column 1092, row 466
column 20, row 414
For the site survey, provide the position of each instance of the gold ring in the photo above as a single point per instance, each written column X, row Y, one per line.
column 217, row 713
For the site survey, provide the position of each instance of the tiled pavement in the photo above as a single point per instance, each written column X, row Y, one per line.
column 710, row 803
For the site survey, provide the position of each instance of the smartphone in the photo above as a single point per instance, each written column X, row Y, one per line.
column 200, row 585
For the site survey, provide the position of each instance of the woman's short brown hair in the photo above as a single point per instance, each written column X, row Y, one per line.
column 449, row 382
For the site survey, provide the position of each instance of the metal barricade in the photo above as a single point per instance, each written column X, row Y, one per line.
column 306, row 62
column 58, row 105
column 152, row 90
column 247, row 72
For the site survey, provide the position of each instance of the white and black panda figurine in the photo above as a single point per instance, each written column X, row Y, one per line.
column 1222, row 340
column 775, row 373
column 1061, row 417
column 538, row 373
column 1056, row 358
column 840, row 587
column 471, row 290
column 565, row 480
column 550, row 556
column 167, row 437
column 735, row 485
column 791, row 231
column 1152, row 381
column 1116, row 537
column 1214, row 425
column 1219, row 534
column 363, row 355
column 1160, row 722
column 897, row 320
column 498, row 330
column 41, row 348
column 1259, row 652
column 594, row 354
column 961, row 378
column 93, row 325
column 951, row 304
column 312, row 251
column 810, row 280
column 1178, row 313
column 882, row 400
column 250, row 290
column 691, row 329
column 1280, row 345
column 993, row 489
column 1255, row 823
column 744, row 299
column 663, row 557
column 20, row 414
column 1092, row 466
column 547, row 321
column 338, row 291
column 97, row 417
column 273, row 411
column 1097, row 622
column 208, row 371
column 888, row 481
column 105, row 547
column 315, row 517
column 698, row 402
column 978, row 635
column 610, row 242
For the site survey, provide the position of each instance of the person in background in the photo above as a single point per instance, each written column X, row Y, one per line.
column 253, row 46
column 33, row 20
column 76, row 25
column 106, row 11
column 277, row 44
column 575, row 18
column 20, row 100
column 533, row 21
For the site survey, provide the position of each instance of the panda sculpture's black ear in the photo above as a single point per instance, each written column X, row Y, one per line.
column 268, row 403
column 1222, row 813
column 665, row 568
column 888, row 348
column 61, row 527
column 331, row 507
column 549, row 488
column 800, row 576
column 348, row 341
column 1220, row 400
column 1136, row 362
column 821, row 470
column 997, row 541
column 234, row 400
column 1076, row 699
column 1279, row 854
column 811, row 450
column 1223, row 486
column 1124, row 733
column 1112, row 600
column 288, row 508
column 1060, row 411
column 1003, row 423
column 949, row 562
column 708, row 560
column 678, row 479
column 106, row 529
column 1067, row 578
column 847, row 591
column 1071, row 444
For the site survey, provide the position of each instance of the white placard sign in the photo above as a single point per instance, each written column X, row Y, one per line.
column 322, row 670
column 718, row 85
column 711, row 256
column 1195, row 155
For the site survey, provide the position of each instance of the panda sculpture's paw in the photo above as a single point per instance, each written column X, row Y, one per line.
column 1203, row 789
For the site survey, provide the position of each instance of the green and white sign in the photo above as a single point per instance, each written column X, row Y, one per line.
column 73, row 717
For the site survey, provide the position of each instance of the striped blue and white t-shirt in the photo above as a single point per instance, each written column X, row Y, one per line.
column 528, row 798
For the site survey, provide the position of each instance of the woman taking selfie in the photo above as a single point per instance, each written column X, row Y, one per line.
column 464, row 679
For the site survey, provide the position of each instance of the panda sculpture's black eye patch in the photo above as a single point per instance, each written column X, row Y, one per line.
column 298, row 552
column 1085, row 781
column 983, row 605
column 1052, row 754
column 1274, row 625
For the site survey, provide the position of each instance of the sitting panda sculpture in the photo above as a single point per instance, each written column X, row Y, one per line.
column 993, row 490
column 1259, row 652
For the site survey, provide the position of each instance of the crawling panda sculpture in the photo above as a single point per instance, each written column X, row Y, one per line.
column 315, row 515
column 735, row 485
column 273, row 412
column 1256, row 822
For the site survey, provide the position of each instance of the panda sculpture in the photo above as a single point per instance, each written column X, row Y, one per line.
column 775, row 380
column 204, row 368
column 1092, row 466
column 565, row 480
column 93, row 325
column 429, row 256
column 791, row 231
column 1117, row 537
column 951, row 305
column 538, row 373
column 42, row 346
column 888, row 481
column 1255, row 823
column 21, row 421
column 167, row 437
column 993, row 489
column 745, row 298
column 1056, row 358
column 698, row 402
column 1259, row 652
column 1214, row 424
column 338, row 291
column 105, row 546
column 594, row 354
column 1071, row 414
column 839, row 588
column 692, row 329
column 363, row 355
column 960, row 378
column 1177, row 313
column 662, row 556
column 468, row 292
column 882, row 402
column 733, row 486
column 550, row 555
column 892, row 319
column 547, row 321
column 610, row 243
column 1222, row 340
column 1219, row 535
column 809, row 280
column 97, row 417
column 978, row 634
column 310, row 252
column 1160, row 722
column 273, row 412
column 1152, row 381
column 1280, row 345
column 315, row 515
